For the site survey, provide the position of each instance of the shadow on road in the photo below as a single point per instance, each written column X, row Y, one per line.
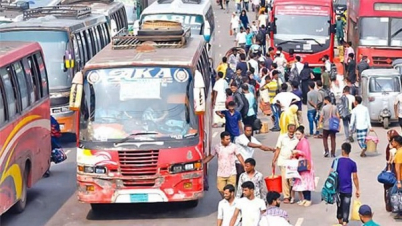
column 149, row 211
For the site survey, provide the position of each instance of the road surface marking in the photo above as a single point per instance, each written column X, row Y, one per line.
column 218, row 25
column 214, row 134
column 219, row 31
column 68, row 151
column 316, row 179
column 299, row 222
column 220, row 46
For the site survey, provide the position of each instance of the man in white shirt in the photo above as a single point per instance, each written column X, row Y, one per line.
column 253, row 63
column 250, row 207
column 219, row 97
column 280, row 61
column 262, row 19
column 284, row 150
column 241, row 38
column 227, row 206
column 235, row 23
column 398, row 108
column 360, row 120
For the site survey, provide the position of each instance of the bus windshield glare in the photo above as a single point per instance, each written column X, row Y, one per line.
column 54, row 45
column 291, row 26
column 124, row 101
column 193, row 21
column 374, row 31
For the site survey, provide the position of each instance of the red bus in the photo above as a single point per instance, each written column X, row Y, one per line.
column 379, row 30
column 305, row 27
column 24, row 122
column 143, row 128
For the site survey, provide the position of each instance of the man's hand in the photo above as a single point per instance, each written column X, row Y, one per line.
column 273, row 164
column 398, row 185
column 357, row 193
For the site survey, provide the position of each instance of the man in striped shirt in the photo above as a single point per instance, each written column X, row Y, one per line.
column 274, row 204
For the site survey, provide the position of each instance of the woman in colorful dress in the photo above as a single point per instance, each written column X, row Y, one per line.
column 306, row 183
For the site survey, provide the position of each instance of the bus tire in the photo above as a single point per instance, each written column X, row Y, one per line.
column 385, row 123
column 19, row 207
column 192, row 203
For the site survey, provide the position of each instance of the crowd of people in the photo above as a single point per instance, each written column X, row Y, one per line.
column 253, row 78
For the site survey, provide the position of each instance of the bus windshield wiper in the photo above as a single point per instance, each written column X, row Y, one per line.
column 396, row 33
column 289, row 41
column 133, row 135
column 311, row 39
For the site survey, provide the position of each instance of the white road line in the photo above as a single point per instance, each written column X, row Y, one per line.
column 220, row 46
column 68, row 151
column 214, row 134
column 219, row 31
column 316, row 179
column 299, row 222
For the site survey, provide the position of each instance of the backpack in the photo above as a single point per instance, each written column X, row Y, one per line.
column 343, row 107
column 294, row 75
column 246, row 106
column 229, row 74
column 330, row 188
column 260, row 37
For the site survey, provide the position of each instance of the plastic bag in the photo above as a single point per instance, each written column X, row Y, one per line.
column 291, row 169
column 355, row 210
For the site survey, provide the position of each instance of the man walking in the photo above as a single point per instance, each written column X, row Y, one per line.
column 227, row 206
column 250, row 207
column 296, row 91
column 219, row 96
column 313, row 98
column 227, row 153
column 351, row 69
column 366, row 216
column 254, row 176
column 360, row 120
column 346, row 169
column 251, row 114
column 345, row 110
column 284, row 148
column 246, row 144
column 233, row 123
column 328, row 111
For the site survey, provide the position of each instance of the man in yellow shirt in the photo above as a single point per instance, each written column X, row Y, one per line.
column 223, row 66
column 272, row 86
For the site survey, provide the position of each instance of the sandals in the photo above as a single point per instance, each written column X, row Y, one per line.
column 286, row 201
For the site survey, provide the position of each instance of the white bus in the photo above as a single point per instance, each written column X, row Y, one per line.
column 11, row 11
column 198, row 14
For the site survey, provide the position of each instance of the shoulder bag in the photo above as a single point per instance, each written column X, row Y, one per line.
column 334, row 122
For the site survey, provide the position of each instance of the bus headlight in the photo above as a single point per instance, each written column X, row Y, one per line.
column 183, row 167
column 93, row 169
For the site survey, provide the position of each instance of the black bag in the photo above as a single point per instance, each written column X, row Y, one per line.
column 229, row 74
column 246, row 105
column 257, row 124
column 260, row 37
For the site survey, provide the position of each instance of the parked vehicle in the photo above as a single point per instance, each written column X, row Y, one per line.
column 397, row 64
column 24, row 122
column 11, row 11
column 379, row 88
column 145, row 120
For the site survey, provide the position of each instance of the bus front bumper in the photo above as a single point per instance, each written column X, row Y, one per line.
column 112, row 190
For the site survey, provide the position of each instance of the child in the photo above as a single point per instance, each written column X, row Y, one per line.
column 254, row 28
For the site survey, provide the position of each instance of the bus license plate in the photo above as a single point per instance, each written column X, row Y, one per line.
column 138, row 198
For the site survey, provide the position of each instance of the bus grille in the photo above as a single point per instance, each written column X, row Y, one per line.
column 140, row 166
column 383, row 61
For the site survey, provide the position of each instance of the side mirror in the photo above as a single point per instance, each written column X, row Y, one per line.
column 136, row 27
column 76, row 92
column 68, row 60
column 199, row 93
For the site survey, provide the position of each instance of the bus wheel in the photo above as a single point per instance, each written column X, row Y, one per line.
column 386, row 123
column 192, row 203
column 20, row 205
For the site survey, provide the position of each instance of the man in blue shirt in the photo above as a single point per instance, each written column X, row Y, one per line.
column 233, row 123
column 249, row 39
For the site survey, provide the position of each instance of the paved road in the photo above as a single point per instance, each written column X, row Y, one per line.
column 52, row 202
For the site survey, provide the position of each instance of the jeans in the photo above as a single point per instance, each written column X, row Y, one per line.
column 346, row 121
column 276, row 113
column 312, row 120
column 238, row 7
column 227, row 6
column 246, row 6
column 247, row 48
column 343, row 205
column 304, row 89
column 239, row 171
column 307, row 195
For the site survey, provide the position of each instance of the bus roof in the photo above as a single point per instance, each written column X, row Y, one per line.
column 97, row 7
column 377, row 8
column 178, row 7
column 10, row 11
column 53, row 23
column 304, row 2
column 380, row 72
column 12, row 51
column 185, row 56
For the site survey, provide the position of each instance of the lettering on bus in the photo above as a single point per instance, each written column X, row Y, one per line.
column 303, row 10
column 194, row 21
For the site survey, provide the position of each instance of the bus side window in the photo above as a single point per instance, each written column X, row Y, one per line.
column 89, row 44
column 106, row 32
column 3, row 113
column 22, row 84
column 36, row 78
column 101, row 36
column 97, row 39
column 205, row 68
column 42, row 73
column 84, row 47
column 28, row 76
column 11, row 95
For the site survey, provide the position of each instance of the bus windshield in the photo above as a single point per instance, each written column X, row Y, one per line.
column 193, row 21
column 375, row 31
column 291, row 26
column 126, row 101
column 54, row 45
